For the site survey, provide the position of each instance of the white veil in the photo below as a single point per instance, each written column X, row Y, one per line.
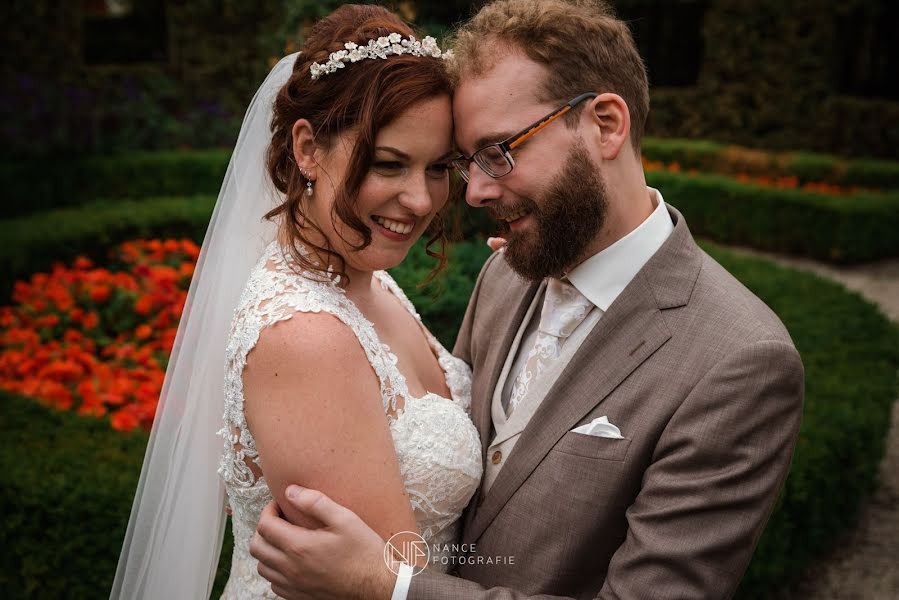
column 174, row 536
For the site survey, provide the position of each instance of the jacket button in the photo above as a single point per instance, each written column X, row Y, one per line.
column 497, row 457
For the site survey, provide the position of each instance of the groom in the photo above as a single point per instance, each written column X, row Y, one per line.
column 637, row 406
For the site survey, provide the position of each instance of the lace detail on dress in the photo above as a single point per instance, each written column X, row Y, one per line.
column 438, row 448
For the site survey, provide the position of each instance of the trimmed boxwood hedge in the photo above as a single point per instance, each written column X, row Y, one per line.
column 33, row 185
column 723, row 159
column 851, row 355
column 30, row 188
column 33, row 243
column 68, row 482
column 829, row 228
column 67, row 487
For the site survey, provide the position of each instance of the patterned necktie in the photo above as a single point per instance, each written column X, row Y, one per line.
column 563, row 310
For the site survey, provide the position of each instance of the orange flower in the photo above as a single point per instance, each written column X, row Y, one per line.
column 91, row 366
column 100, row 294
column 143, row 306
column 82, row 263
column 124, row 420
column 61, row 370
column 91, row 320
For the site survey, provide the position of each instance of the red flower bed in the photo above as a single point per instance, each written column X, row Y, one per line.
column 97, row 340
column 783, row 182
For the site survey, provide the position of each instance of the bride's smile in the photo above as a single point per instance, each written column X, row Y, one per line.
column 406, row 185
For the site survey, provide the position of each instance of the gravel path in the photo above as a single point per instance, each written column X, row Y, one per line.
column 865, row 565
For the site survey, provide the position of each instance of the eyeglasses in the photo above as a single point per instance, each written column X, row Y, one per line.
column 496, row 159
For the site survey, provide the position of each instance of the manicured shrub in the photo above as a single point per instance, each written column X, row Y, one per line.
column 807, row 167
column 442, row 303
column 32, row 244
column 31, row 186
column 851, row 355
column 833, row 229
column 67, row 486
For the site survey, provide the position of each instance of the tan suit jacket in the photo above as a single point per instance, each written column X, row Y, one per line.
column 706, row 387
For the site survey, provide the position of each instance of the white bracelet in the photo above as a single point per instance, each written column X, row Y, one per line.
column 403, row 581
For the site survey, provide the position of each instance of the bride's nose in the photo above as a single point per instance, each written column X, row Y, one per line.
column 416, row 197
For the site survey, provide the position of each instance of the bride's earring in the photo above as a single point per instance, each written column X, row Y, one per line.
column 308, row 179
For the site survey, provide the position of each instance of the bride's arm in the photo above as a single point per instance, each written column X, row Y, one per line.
column 313, row 404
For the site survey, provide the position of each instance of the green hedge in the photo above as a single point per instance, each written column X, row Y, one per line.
column 843, row 230
column 37, row 185
column 33, row 243
column 67, row 487
column 442, row 303
column 68, row 482
column 31, row 187
column 851, row 355
column 829, row 228
column 712, row 157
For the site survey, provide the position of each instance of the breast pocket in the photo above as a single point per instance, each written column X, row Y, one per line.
column 592, row 446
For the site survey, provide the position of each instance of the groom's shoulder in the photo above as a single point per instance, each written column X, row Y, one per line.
column 732, row 310
column 498, row 280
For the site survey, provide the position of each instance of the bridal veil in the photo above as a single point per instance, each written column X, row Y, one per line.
column 174, row 537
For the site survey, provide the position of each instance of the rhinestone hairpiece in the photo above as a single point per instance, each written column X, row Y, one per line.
column 391, row 45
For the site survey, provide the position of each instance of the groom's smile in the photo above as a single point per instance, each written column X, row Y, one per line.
column 551, row 202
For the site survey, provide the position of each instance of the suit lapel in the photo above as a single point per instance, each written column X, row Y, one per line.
column 627, row 335
column 506, row 317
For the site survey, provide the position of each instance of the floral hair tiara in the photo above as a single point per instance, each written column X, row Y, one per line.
column 391, row 45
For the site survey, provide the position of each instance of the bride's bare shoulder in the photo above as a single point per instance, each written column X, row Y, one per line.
column 308, row 343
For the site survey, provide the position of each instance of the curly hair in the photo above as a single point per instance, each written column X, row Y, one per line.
column 364, row 98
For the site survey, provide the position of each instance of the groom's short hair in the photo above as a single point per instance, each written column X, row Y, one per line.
column 582, row 44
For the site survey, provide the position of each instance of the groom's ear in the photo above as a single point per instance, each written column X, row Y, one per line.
column 303, row 146
column 610, row 121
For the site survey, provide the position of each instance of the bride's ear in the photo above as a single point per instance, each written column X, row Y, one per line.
column 304, row 147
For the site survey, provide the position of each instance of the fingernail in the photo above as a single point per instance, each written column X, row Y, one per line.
column 293, row 492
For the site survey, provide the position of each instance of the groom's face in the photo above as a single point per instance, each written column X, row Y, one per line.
column 552, row 204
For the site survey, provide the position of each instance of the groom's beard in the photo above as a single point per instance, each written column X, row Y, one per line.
column 566, row 220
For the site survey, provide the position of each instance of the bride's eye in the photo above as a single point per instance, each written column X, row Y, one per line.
column 439, row 169
column 387, row 165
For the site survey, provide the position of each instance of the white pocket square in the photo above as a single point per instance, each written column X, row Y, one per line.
column 600, row 427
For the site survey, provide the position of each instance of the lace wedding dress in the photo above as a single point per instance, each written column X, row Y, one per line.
column 437, row 446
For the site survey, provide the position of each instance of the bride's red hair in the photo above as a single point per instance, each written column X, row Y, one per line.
column 365, row 96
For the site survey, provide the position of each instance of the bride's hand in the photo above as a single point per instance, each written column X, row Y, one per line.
column 496, row 243
column 343, row 559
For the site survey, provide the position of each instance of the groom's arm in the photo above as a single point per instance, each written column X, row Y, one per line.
column 714, row 479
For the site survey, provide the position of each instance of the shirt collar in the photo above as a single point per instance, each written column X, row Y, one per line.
column 603, row 276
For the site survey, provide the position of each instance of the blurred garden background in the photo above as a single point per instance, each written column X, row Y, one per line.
column 774, row 128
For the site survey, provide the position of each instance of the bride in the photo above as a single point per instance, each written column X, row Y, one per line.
column 330, row 378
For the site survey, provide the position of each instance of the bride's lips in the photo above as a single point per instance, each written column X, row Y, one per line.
column 397, row 236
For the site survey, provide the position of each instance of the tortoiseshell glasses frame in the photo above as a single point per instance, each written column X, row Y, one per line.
column 496, row 159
